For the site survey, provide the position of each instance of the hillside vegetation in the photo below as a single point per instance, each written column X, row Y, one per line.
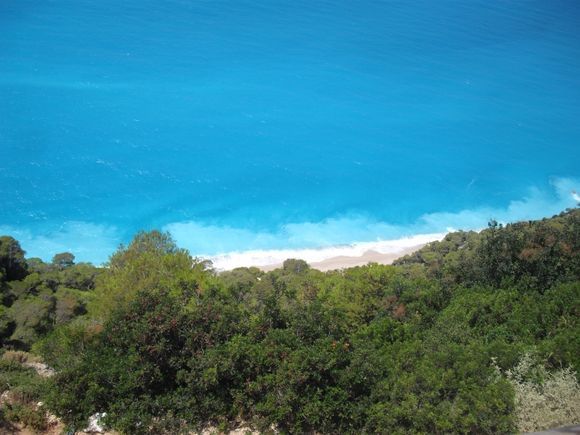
column 478, row 333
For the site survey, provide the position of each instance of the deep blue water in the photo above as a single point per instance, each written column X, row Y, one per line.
column 230, row 120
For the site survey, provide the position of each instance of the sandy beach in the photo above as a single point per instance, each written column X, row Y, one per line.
column 344, row 262
column 329, row 257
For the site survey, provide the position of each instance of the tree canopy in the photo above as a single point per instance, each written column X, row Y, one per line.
column 12, row 263
column 466, row 335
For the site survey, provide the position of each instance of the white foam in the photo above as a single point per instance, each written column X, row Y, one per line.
column 349, row 235
column 261, row 257
column 353, row 235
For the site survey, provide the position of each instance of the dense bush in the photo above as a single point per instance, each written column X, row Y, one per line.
column 12, row 263
column 43, row 297
column 532, row 255
column 434, row 344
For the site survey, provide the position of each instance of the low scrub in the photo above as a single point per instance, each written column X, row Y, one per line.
column 544, row 399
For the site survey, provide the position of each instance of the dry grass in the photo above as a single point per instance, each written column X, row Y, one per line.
column 19, row 356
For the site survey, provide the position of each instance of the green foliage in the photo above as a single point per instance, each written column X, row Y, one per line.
column 240, row 281
column 26, row 414
column 6, row 324
column 295, row 266
column 129, row 370
column 66, row 344
column 24, row 389
column 69, row 304
column 48, row 295
column 23, row 383
column 33, row 318
column 151, row 261
column 433, row 344
column 450, row 389
column 12, row 263
column 63, row 260
column 81, row 276
column 532, row 255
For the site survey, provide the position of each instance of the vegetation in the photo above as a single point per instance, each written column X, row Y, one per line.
column 37, row 297
column 543, row 399
column 478, row 333
column 21, row 389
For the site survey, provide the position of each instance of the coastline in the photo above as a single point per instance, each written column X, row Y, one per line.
column 326, row 258
column 344, row 262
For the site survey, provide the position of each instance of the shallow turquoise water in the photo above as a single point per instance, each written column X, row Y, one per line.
column 282, row 124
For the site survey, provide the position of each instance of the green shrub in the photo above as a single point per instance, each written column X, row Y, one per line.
column 170, row 346
column 25, row 388
column 26, row 414
column 23, row 382
column 33, row 318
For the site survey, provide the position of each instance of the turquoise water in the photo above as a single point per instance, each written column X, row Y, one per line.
column 251, row 124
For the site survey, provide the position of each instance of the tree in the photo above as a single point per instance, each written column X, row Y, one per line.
column 12, row 262
column 33, row 317
column 293, row 265
column 150, row 261
column 63, row 260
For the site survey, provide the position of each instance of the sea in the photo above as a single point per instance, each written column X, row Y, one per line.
column 254, row 130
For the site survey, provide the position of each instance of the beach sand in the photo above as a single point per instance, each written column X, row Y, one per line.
column 344, row 262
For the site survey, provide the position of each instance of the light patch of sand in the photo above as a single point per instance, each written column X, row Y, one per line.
column 344, row 262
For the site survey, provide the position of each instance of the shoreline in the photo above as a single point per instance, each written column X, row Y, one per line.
column 326, row 258
column 344, row 262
